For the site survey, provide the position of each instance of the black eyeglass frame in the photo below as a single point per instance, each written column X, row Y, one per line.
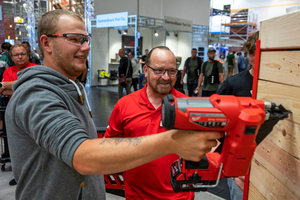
column 84, row 39
column 164, row 71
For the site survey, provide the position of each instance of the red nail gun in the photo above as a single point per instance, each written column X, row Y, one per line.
column 239, row 117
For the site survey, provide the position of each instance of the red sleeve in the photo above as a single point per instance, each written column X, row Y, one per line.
column 5, row 77
column 115, row 126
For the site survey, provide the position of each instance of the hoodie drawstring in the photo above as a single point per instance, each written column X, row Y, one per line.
column 80, row 95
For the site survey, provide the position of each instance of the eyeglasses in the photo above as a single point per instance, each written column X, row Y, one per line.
column 19, row 54
column 161, row 72
column 74, row 38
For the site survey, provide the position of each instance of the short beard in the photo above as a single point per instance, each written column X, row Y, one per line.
column 211, row 59
column 156, row 89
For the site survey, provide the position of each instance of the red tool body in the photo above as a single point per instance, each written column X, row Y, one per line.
column 239, row 117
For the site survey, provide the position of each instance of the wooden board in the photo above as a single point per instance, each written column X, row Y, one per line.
column 281, row 67
column 288, row 96
column 281, row 32
column 254, row 194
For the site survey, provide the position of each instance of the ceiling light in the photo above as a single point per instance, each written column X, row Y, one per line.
column 119, row 31
column 155, row 33
column 176, row 34
column 167, row 33
column 125, row 31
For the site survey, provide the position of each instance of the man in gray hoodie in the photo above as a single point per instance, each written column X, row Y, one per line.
column 53, row 142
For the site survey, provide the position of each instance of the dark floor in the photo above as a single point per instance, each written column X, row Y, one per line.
column 102, row 101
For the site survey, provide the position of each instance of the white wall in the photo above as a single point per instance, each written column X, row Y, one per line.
column 107, row 42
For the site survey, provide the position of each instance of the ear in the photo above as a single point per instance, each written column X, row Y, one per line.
column 46, row 44
column 145, row 71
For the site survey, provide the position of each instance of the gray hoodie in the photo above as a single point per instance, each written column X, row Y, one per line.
column 45, row 125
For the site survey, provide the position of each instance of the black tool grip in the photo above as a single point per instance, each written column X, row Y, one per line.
column 168, row 112
column 202, row 164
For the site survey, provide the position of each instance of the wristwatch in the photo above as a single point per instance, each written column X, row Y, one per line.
column 1, row 85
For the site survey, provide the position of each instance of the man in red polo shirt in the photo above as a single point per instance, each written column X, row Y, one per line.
column 139, row 114
column 20, row 56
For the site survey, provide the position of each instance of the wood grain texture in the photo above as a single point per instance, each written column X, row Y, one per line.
column 282, row 166
column 281, row 67
column 254, row 194
column 281, row 32
column 288, row 96
column 267, row 184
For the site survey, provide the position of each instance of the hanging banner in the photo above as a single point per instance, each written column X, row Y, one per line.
column 176, row 24
column 112, row 20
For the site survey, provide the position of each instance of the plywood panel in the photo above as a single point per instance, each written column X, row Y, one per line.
column 280, row 67
column 254, row 194
column 268, row 185
column 281, row 165
column 288, row 96
column 281, row 32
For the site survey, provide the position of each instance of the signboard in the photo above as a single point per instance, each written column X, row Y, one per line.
column 175, row 24
column 128, row 44
column 11, row 41
column 112, row 20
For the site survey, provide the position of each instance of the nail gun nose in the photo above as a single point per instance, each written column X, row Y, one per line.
column 270, row 105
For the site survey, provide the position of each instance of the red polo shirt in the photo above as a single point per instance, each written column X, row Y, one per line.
column 10, row 74
column 134, row 116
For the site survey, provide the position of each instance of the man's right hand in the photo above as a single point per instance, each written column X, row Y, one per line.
column 193, row 145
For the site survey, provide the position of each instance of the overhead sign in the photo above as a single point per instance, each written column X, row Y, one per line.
column 112, row 20
column 175, row 24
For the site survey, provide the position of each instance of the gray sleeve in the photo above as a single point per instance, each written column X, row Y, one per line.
column 43, row 115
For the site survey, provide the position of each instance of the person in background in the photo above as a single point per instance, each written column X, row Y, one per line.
column 231, row 63
column 135, row 70
column 212, row 73
column 33, row 58
column 143, row 59
column 192, row 67
column 5, row 55
column 123, row 72
column 247, row 61
column 240, row 85
column 241, row 62
column 20, row 56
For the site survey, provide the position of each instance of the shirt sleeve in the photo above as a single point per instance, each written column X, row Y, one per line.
column 115, row 125
column 5, row 77
column 220, row 68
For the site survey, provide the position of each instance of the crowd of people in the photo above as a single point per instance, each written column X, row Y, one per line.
column 52, row 138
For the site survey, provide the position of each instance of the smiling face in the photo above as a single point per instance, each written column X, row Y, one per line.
column 68, row 58
column 160, row 59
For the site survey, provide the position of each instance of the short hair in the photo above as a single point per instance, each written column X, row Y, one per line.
column 193, row 49
column 146, row 49
column 25, row 42
column 6, row 45
column 122, row 50
column 132, row 53
column 147, row 62
column 18, row 45
column 48, row 23
column 233, row 52
column 250, row 44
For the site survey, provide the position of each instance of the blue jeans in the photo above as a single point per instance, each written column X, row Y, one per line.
column 191, row 86
column 235, row 192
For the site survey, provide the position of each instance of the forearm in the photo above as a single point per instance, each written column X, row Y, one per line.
column 8, row 85
column 221, row 76
column 183, row 73
column 7, row 92
column 200, row 80
column 112, row 155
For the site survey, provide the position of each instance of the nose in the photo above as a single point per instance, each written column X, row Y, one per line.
column 85, row 47
column 166, row 75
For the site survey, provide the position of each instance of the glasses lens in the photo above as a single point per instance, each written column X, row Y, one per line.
column 76, row 39
column 19, row 54
column 172, row 72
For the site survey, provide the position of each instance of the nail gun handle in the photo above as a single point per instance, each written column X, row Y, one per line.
column 202, row 164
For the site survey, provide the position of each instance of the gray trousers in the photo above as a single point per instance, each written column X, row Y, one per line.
column 127, row 87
